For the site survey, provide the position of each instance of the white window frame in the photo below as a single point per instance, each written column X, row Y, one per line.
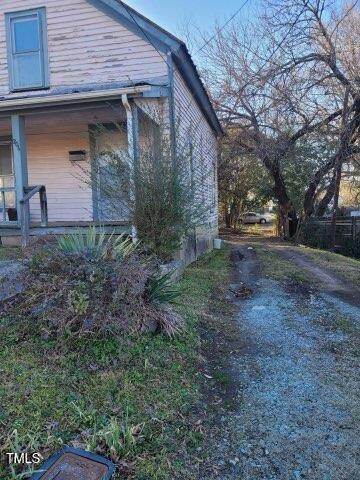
column 44, row 63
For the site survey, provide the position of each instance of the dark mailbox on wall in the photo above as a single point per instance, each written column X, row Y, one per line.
column 77, row 155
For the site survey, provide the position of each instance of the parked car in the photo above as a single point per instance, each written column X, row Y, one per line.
column 252, row 217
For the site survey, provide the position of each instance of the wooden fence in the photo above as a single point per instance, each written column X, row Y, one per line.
column 317, row 231
column 347, row 227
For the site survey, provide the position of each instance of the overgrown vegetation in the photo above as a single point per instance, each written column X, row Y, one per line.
column 91, row 283
column 129, row 397
column 10, row 253
column 159, row 191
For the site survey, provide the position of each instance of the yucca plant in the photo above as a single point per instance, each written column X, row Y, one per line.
column 93, row 283
column 96, row 244
column 123, row 246
column 85, row 243
column 161, row 289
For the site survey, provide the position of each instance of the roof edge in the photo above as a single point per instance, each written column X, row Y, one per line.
column 164, row 42
column 192, row 78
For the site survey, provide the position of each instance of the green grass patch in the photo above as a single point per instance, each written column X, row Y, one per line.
column 345, row 267
column 343, row 324
column 274, row 266
column 130, row 398
column 335, row 321
column 222, row 377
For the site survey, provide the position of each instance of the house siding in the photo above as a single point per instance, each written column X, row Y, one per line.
column 191, row 125
column 49, row 138
column 85, row 45
column 69, row 197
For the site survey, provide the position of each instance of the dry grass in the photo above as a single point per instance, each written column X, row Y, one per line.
column 274, row 266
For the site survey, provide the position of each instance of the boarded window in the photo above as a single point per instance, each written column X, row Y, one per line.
column 27, row 49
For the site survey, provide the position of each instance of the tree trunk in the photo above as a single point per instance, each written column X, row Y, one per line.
column 345, row 142
column 335, row 207
column 325, row 201
column 280, row 192
column 227, row 217
column 310, row 194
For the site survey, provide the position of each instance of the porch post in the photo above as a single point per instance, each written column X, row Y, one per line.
column 132, row 121
column 19, row 158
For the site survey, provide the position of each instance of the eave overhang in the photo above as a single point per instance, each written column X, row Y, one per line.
column 18, row 104
column 165, row 43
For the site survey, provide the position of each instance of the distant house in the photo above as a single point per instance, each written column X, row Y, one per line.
column 67, row 65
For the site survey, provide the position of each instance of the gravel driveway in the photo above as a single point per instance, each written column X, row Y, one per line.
column 297, row 382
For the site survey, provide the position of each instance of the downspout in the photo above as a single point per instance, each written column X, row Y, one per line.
column 132, row 151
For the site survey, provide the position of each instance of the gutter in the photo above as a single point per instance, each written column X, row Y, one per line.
column 69, row 98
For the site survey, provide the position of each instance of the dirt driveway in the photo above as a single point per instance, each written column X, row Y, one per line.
column 296, row 374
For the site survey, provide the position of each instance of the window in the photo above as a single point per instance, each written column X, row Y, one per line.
column 27, row 50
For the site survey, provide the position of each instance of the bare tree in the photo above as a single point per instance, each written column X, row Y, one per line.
column 284, row 78
column 325, row 40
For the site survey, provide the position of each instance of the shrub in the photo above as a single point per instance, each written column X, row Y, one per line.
column 161, row 193
column 92, row 283
column 351, row 247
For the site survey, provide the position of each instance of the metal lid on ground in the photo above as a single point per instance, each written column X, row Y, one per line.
column 75, row 464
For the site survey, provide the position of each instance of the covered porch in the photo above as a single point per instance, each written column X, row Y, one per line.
column 49, row 179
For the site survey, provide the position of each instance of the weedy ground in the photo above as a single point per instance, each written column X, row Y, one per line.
column 9, row 253
column 278, row 268
column 133, row 398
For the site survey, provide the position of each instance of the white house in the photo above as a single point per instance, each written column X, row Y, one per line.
column 67, row 65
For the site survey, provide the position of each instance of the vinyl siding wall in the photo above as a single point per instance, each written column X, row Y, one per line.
column 85, row 45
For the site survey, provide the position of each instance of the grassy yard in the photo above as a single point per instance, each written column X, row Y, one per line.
column 129, row 398
column 277, row 267
column 345, row 267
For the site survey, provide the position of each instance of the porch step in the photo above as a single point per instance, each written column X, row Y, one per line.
column 61, row 228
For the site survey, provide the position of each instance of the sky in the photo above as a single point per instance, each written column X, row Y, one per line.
column 172, row 14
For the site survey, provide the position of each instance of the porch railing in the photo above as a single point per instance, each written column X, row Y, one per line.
column 25, row 210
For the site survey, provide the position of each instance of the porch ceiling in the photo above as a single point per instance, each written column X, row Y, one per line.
column 62, row 120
